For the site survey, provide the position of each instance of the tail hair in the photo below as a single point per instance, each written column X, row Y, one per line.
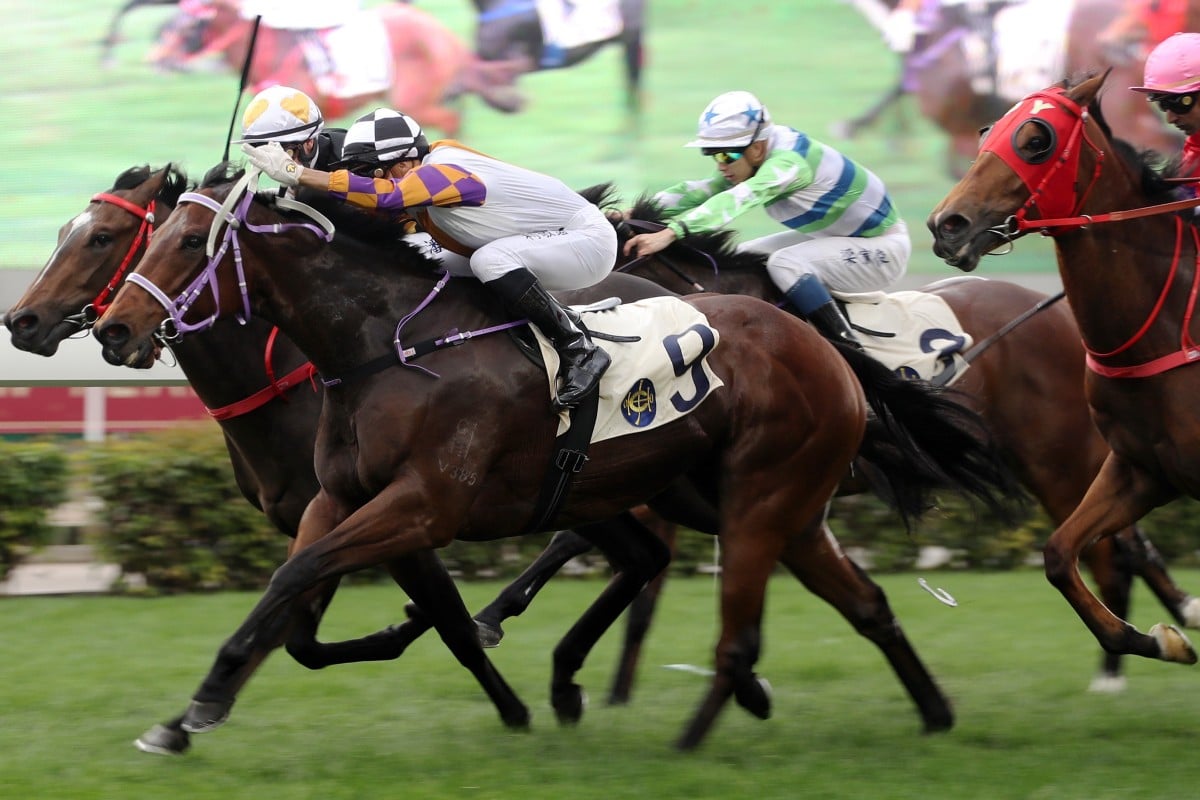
column 924, row 438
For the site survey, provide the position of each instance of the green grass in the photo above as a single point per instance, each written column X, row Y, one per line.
column 82, row 677
column 71, row 127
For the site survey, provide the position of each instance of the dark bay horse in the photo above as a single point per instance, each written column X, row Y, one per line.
column 772, row 453
column 1030, row 399
column 253, row 379
column 1130, row 273
column 508, row 30
column 937, row 75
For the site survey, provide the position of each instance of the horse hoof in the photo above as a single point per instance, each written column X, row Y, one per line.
column 204, row 717
column 1173, row 645
column 163, row 741
column 489, row 635
column 569, row 704
column 1191, row 612
column 754, row 696
column 1107, row 684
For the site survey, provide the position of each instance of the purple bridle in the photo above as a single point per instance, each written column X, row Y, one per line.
column 233, row 214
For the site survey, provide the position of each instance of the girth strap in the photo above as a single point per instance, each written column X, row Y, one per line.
column 570, row 454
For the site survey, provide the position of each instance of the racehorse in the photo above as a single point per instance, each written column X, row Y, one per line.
column 772, row 452
column 254, row 381
column 1035, row 410
column 429, row 66
column 936, row 73
column 1129, row 267
column 508, row 30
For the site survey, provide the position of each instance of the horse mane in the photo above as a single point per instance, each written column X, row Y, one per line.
column 352, row 225
column 718, row 244
column 175, row 184
column 1153, row 170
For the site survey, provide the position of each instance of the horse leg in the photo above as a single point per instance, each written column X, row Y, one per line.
column 637, row 624
column 1146, row 562
column 366, row 537
column 748, row 560
column 172, row 738
column 1118, row 497
column 637, row 556
column 1114, row 579
column 848, row 129
column 816, row 559
column 516, row 597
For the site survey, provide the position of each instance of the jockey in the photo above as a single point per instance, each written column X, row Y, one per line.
column 843, row 231
column 1172, row 81
column 291, row 118
column 521, row 230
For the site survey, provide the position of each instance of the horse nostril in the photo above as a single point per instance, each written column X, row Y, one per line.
column 20, row 323
column 113, row 335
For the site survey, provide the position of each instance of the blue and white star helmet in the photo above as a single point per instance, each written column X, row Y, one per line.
column 382, row 137
column 281, row 114
column 733, row 119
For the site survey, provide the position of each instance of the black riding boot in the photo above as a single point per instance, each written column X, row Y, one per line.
column 828, row 319
column 581, row 361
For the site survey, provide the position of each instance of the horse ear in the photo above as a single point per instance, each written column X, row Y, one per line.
column 1086, row 90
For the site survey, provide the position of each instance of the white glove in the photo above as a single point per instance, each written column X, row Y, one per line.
column 273, row 161
column 901, row 30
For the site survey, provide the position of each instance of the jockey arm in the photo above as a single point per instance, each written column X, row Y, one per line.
column 713, row 203
column 427, row 185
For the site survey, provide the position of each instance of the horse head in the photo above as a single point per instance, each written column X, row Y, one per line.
column 95, row 250
column 1042, row 160
column 230, row 252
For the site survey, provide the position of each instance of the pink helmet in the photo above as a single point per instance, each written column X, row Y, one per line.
column 1173, row 67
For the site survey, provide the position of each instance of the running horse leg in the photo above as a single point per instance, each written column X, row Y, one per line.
column 816, row 559
column 637, row 556
column 322, row 558
column 1119, row 497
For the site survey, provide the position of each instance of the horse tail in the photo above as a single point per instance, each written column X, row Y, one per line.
column 923, row 439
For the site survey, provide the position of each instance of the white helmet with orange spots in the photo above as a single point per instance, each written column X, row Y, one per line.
column 281, row 114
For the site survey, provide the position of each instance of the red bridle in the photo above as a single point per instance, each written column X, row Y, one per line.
column 1052, row 183
column 101, row 303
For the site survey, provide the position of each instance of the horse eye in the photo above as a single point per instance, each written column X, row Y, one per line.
column 100, row 240
column 193, row 241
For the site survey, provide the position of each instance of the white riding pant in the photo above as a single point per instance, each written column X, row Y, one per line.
column 455, row 264
column 842, row 263
column 581, row 253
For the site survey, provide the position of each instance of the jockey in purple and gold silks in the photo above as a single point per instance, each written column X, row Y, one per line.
column 843, row 231
column 516, row 230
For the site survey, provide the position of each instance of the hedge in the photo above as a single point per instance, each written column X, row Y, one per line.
column 171, row 514
column 33, row 480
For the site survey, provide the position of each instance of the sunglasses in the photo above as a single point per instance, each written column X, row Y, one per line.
column 1175, row 103
column 726, row 156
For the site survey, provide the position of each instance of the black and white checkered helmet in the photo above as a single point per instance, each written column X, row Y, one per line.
column 382, row 137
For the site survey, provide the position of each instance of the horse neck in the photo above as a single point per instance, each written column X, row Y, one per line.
column 226, row 363
column 341, row 305
column 1114, row 274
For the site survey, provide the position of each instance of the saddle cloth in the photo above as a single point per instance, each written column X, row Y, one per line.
column 922, row 338
column 659, row 378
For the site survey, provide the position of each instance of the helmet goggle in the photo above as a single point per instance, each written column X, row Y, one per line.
column 1174, row 103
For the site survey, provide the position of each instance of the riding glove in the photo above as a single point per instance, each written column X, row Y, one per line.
column 273, row 161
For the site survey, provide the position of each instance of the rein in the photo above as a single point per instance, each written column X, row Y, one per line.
column 277, row 388
column 644, row 226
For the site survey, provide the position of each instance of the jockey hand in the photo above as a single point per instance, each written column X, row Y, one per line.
column 647, row 244
column 273, row 160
